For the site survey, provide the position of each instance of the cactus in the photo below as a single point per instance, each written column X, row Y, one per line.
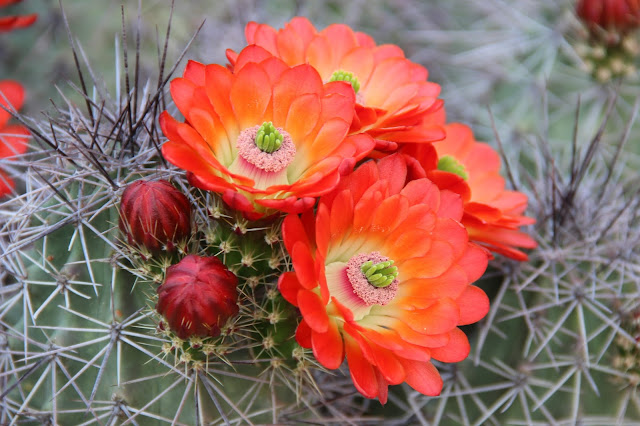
column 550, row 349
column 81, row 341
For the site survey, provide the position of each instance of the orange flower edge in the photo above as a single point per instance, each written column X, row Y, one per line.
column 225, row 111
column 390, row 321
column 394, row 98
column 13, row 138
column 492, row 214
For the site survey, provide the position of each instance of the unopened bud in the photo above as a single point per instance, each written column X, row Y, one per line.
column 154, row 215
column 198, row 296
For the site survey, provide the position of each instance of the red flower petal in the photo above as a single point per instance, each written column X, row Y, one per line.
column 450, row 284
column 423, row 191
column 322, row 279
column 393, row 169
column 292, row 84
column 11, row 97
column 10, row 23
column 251, row 54
column 341, row 214
column 440, row 258
column 194, row 71
column 11, row 143
column 383, row 387
column 390, row 339
column 388, row 364
column 453, row 233
column 292, row 205
column 422, row 376
column 323, row 230
column 6, row 184
column 313, row 311
column 473, row 304
column 441, row 317
column 218, row 82
column 254, row 31
column 292, row 39
column 182, row 91
column 362, row 372
column 474, row 261
column 303, row 265
column 289, row 286
column 451, row 182
column 303, row 334
column 237, row 201
column 293, row 231
column 308, row 106
column 328, row 347
column 456, row 350
column 250, row 95
column 427, row 340
column 451, row 205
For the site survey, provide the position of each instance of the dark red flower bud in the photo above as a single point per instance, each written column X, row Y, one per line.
column 198, row 296
column 155, row 215
column 614, row 15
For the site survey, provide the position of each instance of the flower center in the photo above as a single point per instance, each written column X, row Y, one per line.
column 449, row 164
column 266, row 147
column 380, row 274
column 373, row 278
column 342, row 75
column 268, row 139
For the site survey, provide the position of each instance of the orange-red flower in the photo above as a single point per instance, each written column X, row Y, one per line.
column 389, row 323
column 220, row 143
column 394, row 98
column 10, row 23
column 13, row 138
column 492, row 215
column 619, row 15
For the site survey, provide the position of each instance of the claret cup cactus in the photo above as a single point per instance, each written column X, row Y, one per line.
column 301, row 233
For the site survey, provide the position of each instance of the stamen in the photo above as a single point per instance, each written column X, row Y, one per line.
column 342, row 75
column 381, row 274
column 373, row 278
column 268, row 139
column 449, row 164
column 266, row 147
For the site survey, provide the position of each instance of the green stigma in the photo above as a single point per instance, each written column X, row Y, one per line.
column 451, row 165
column 268, row 139
column 380, row 274
column 342, row 75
